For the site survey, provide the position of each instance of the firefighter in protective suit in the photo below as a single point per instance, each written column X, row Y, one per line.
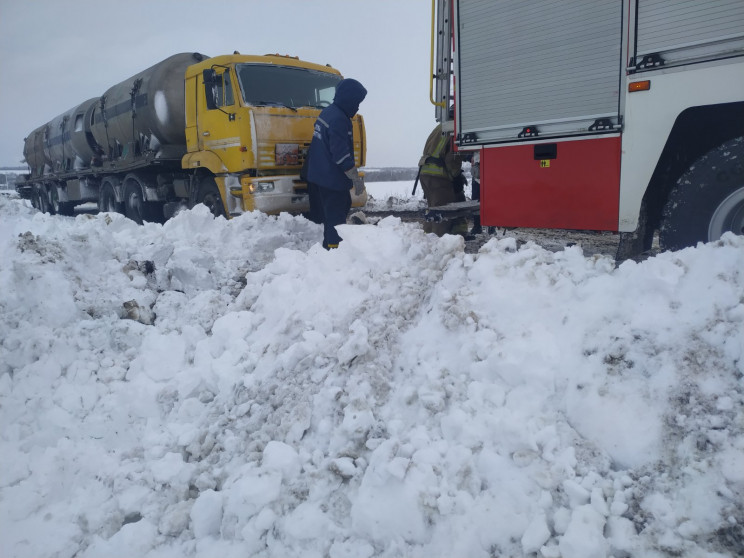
column 440, row 171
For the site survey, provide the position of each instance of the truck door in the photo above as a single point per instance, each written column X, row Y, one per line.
column 538, row 91
column 218, row 121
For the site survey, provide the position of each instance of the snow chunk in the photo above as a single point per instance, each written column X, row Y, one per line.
column 584, row 537
column 206, row 514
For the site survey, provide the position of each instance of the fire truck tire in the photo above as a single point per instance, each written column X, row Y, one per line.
column 209, row 195
column 708, row 199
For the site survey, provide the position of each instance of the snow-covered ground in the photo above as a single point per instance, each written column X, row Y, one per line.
column 396, row 196
column 229, row 388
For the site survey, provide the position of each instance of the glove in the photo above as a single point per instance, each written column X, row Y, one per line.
column 357, row 182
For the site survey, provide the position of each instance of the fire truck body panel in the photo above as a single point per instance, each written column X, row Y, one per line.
column 586, row 115
column 567, row 184
column 651, row 115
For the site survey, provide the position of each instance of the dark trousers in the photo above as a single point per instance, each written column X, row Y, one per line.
column 316, row 206
column 336, row 205
column 475, row 196
column 440, row 190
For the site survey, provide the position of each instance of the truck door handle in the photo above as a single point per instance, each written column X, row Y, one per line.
column 205, row 133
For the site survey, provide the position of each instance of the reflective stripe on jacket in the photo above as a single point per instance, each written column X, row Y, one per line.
column 438, row 158
column 332, row 147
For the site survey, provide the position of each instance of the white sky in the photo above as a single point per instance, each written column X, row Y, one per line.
column 56, row 54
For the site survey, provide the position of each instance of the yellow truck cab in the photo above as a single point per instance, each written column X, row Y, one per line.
column 249, row 122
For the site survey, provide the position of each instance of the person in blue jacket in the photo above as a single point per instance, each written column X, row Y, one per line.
column 331, row 170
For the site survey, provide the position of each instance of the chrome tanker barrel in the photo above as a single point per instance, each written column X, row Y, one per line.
column 34, row 153
column 81, row 139
column 65, row 143
column 57, row 144
column 145, row 112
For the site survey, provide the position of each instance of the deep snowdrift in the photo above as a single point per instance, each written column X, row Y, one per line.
column 214, row 388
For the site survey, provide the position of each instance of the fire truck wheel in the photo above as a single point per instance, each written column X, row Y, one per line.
column 708, row 199
column 209, row 195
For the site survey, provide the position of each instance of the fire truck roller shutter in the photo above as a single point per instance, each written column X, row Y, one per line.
column 551, row 64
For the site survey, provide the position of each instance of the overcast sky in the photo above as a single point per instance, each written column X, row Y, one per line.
column 55, row 54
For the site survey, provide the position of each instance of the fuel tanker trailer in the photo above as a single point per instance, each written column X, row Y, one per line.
column 231, row 132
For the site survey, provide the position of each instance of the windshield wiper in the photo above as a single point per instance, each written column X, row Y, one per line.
column 275, row 104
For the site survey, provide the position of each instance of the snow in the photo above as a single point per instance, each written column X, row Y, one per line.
column 396, row 196
column 229, row 388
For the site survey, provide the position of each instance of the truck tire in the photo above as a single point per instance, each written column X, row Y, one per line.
column 34, row 197
column 42, row 199
column 209, row 195
column 135, row 206
column 708, row 199
column 134, row 202
column 107, row 200
column 58, row 207
column 53, row 198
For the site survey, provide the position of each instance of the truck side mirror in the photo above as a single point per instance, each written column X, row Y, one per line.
column 210, row 88
column 210, row 76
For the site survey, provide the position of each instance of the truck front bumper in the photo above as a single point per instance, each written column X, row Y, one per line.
column 272, row 195
column 269, row 194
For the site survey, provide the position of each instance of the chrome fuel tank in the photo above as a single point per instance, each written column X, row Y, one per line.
column 33, row 151
column 69, row 144
column 83, row 145
column 145, row 112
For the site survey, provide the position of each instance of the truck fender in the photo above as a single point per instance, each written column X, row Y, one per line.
column 203, row 159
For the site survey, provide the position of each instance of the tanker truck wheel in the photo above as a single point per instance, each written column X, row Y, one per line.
column 708, row 199
column 134, row 202
column 58, row 207
column 34, row 197
column 209, row 195
column 42, row 200
column 135, row 206
column 107, row 201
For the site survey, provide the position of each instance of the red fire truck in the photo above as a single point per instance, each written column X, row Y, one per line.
column 610, row 115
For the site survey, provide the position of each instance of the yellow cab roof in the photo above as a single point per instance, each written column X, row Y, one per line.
column 278, row 59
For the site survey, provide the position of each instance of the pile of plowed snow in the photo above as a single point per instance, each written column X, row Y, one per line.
column 229, row 388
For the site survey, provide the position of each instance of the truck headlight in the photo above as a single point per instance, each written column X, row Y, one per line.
column 264, row 186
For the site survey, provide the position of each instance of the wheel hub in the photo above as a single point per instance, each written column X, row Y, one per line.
column 728, row 216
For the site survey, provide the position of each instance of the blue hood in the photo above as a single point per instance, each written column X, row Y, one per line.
column 349, row 95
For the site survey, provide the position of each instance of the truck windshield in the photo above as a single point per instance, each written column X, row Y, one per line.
column 262, row 84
